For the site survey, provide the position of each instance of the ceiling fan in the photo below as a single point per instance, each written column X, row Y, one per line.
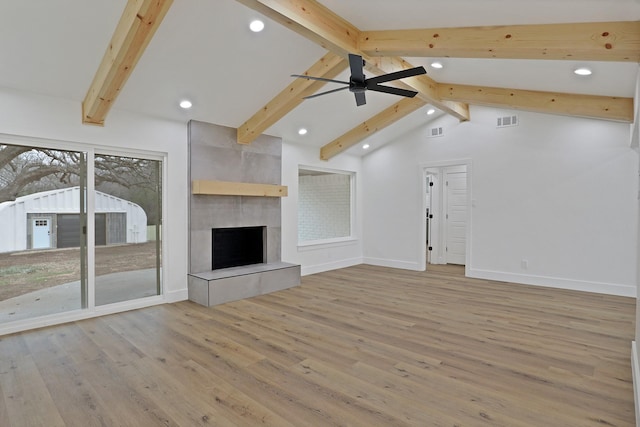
column 358, row 84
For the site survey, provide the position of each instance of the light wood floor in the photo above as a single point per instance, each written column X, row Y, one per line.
column 362, row 346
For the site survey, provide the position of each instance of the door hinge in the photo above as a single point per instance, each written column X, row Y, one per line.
column 431, row 184
column 447, row 183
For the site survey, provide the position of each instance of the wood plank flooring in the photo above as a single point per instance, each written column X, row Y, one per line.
column 361, row 346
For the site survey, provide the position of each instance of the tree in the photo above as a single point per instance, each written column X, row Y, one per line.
column 27, row 170
column 24, row 166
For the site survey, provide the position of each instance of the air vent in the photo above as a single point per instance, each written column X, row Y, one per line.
column 507, row 121
column 434, row 132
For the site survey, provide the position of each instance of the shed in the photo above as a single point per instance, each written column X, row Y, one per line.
column 50, row 219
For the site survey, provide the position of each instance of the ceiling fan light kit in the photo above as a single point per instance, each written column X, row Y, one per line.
column 358, row 84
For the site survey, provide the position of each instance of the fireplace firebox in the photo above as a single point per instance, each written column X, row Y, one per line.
column 237, row 246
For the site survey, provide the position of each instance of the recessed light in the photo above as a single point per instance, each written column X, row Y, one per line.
column 256, row 26
column 437, row 65
column 302, row 131
column 365, row 146
column 583, row 71
column 186, row 104
column 430, row 111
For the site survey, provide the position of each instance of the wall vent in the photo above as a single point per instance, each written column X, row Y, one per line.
column 434, row 132
column 507, row 121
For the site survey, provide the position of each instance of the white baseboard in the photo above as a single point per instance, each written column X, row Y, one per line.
column 176, row 296
column 393, row 263
column 554, row 282
column 306, row 270
column 551, row 282
column 635, row 371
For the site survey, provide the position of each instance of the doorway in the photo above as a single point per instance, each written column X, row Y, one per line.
column 41, row 237
column 96, row 258
column 446, row 205
column 455, row 204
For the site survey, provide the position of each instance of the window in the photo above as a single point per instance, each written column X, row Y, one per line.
column 325, row 206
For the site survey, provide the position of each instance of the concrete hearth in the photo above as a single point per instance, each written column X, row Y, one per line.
column 219, row 286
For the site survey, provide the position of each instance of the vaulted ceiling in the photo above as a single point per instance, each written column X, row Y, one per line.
column 504, row 53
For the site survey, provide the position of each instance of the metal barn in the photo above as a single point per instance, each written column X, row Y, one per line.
column 50, row 219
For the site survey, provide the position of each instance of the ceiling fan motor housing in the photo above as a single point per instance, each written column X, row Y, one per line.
column 357, row 87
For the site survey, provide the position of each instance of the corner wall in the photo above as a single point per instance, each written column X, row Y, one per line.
column 556, row 191
column 635, row 357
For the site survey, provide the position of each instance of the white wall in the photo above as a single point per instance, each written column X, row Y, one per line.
column 317, row 258
column 29, row 116
column 559, row 192
column 635, row 360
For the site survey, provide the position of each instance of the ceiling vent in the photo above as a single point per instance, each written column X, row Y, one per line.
column 507, row 121
column 434, row 132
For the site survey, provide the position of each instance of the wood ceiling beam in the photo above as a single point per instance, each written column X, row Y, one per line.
column 137, row 25
column 426, row 87
column 329, row 66
column 311, row 20
column 320, row 25
column 591, row 106
column 617, row 41
column 371, row 126
column 594, row 41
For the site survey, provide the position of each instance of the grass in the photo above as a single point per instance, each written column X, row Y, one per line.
column 29, row 271
column 18, row 269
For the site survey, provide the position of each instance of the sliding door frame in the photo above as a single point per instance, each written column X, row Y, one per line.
column 91, row 310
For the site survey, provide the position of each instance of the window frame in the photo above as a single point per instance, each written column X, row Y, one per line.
column 333, row 241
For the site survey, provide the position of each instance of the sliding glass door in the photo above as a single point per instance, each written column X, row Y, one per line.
column 43, row 245
column 53, row 257
column 128, row 207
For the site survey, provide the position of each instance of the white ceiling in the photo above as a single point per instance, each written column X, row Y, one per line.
column 204, row 51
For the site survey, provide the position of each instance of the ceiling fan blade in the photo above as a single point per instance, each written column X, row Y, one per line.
column 360, row 98
column 324, row 93
column 356, row 65
column 320, row 79
column 393, row 90
column 410, row 72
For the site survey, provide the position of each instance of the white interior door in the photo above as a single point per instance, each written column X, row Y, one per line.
column 456, row 214
column 41, row 233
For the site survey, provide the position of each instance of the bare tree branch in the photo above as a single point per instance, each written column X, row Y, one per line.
column 24, row 170
column 10, row 152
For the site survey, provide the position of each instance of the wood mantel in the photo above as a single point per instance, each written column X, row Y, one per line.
column 225, row 188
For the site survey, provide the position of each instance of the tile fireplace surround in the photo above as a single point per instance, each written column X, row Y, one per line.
column 215, row 155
